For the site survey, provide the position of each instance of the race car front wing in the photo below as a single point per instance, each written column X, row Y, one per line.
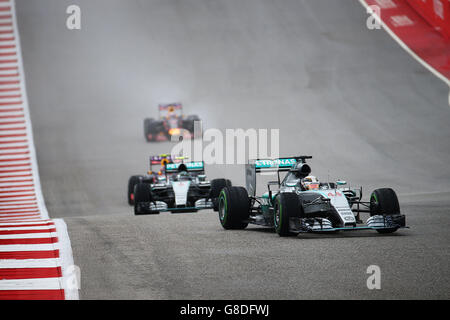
column 377, row 222
column 161, row 206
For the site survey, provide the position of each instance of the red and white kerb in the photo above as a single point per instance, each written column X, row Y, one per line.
column 34, row 250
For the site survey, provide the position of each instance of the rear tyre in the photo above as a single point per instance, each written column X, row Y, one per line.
column 216, row 187
column 189, row 124
column 287, row 205
column 384, row 202
column 152, row 129
column 234, row 208
column 134, row 180
column 142, row 193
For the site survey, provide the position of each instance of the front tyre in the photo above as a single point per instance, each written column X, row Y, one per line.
column 216, row 187
column 142, row 195
column 287, row 205
column 384, row 202
column 234, row 208
column 132, row 182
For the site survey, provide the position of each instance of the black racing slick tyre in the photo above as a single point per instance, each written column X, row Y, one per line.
column 384, row 202
column 148, row 129
column 132, row 182
column 152, row 128
column 216, row 187
column 142, row 194
column 234, row 208
column 287, row 205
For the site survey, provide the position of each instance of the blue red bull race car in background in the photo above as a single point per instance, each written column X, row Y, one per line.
column 302, row 203
column 172, row 122
column 156, row 171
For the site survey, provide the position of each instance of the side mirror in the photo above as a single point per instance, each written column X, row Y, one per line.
column 201, row 177
column 271, row 183
column 341, row 182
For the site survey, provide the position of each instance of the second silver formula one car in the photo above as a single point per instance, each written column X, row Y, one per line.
column 182, row 188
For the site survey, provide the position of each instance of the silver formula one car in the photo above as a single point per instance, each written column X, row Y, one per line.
column 301, row 203
column 182, row 188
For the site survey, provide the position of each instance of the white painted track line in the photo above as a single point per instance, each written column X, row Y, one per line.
column 29, row 247
column 31, row 284
column 29, row 263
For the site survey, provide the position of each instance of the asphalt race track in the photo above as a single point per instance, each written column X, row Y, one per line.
column 349, row 96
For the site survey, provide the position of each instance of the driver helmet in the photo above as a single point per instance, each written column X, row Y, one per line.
column 183, row 175
column 171, row 112
column 310, row 183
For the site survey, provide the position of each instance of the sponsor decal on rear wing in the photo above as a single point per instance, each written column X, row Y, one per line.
column 268, row 165
column 277, row 164
column 191, row 166
column 174, row 106
column 163, row 159
column 170, row 109
column 157, row 159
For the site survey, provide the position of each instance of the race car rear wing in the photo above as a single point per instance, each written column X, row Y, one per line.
column 193, row 166
column 269, row 165
column 158, row 159
column 165, row 109
column 175, row 106
column 161, row 160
